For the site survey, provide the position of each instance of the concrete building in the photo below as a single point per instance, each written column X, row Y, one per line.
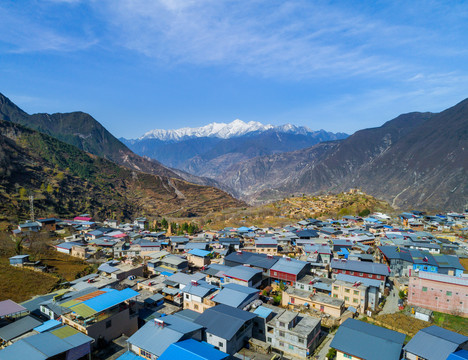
column 289, row 332
column 198, row 295
column 296, row 298
column 199, row 258
column 360, row 293
column 266, row 245
column 243, row 275
column 437, row 292
column 362, row 269
column 226, row 328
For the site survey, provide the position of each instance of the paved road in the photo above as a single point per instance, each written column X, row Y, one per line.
column 391, row 305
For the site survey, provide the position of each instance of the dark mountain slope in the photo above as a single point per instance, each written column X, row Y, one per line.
column 86, row 133
column 415, row 160
column 66, row 181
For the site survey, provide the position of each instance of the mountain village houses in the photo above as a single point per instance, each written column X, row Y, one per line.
column 267, row 291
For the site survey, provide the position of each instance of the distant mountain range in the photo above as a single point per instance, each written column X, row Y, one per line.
column 140, row 185
column 209, row 150
column 417, row 160
column 222, row 131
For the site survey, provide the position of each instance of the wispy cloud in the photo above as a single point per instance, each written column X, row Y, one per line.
column 24, row 32
column 288, row 39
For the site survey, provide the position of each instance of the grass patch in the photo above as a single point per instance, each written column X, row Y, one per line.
column 21, row 284
column 451, row 322
column 64, row 266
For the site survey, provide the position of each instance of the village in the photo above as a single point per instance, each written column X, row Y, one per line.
column 355, row 287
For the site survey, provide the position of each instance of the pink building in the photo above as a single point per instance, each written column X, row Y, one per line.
column 443, row 293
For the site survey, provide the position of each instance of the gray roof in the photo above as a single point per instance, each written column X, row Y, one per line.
column 201, row 288
column 18, row 328
column 355, row 279
column 360, row 266
column 9, row 307
column 224, row 321
column 185, row 279
column 254, row 259
column 368, row 341
column 187, row 314
column 235, row 295
column 290, row 266
column 435, row 343
column 155, row 338
column 242, row 272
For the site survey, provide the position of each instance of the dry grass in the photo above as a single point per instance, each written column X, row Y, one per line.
column 464, row 263
column 21, row 284
column 65, row 266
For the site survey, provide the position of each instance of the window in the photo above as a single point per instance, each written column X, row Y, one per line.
column 195, row 306
column 355, row 301
column 281, row 333
column 335, row 287
column 448, row 293
column 282, row 324
column 361, row 274
column 351, row 273
column 424, row 288
column 187, row 296
column 346, row 298
column 220, row 344
column 302, row 286
column 356, row 292
column 291, row 347
column 145, row 354
column 370, row 276
column 300, row 340
column 346, row 291
column 335, row 295
column 269, row 339
column 292, row 300
column 108, row 324
column 347, row 356
column 281, row 343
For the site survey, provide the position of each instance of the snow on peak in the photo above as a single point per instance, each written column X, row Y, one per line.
column 220, row 130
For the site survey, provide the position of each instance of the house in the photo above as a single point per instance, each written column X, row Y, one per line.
column 438, row 292
column 236, row 295
column 318, row 253
column 307, row 234
column 141, row 223
column 19, row 327
column 29, row 226
column 314, row 284
column 226, row 328
column 433, row 343
column 119, row 271
column 104, row 313
column 152, row 340
column 258, row 261
column 243, row 275
column 168, row 265
column 198, row 295
column 215, row 273
column 361, row 269
column 198, row 258
column 288, row 270
column 360, row 340
column 293, row 333
column 58, row 343
column 359, row 293
column 9, row 309
column 325, row 304
column 192, row 350
column 266, row 245
column 19, row 260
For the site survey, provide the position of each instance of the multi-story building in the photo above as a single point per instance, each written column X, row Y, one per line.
column 103, row 313
column 438, row 292
column 266, row 245
column 287, row 331
column 362, row 269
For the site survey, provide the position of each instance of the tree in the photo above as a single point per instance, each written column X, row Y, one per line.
column 164, row 223
column 22, row 192
column 50, row 189
column 364, row 212
column 331, row 354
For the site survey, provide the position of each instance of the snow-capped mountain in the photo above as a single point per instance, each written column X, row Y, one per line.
column 221, row 130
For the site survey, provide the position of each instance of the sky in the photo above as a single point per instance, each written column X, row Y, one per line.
column 137, row 65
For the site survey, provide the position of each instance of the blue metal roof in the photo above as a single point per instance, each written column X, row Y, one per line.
column 290, row 266
column 48, row 325
column 19, row 327
column 355, row 279
column 235, row 295
column 129, row 356
column 109, row 299
column 368, row 341
column 263, row 311
column 192, row 350
column 458, row 355
column 199, row 252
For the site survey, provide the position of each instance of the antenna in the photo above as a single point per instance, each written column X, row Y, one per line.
column 31, row 206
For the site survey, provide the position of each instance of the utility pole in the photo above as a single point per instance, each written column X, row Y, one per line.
column 31, row 206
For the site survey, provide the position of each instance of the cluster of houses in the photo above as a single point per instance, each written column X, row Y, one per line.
column 210, row 295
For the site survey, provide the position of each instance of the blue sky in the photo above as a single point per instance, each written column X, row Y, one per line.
column 136, row 65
